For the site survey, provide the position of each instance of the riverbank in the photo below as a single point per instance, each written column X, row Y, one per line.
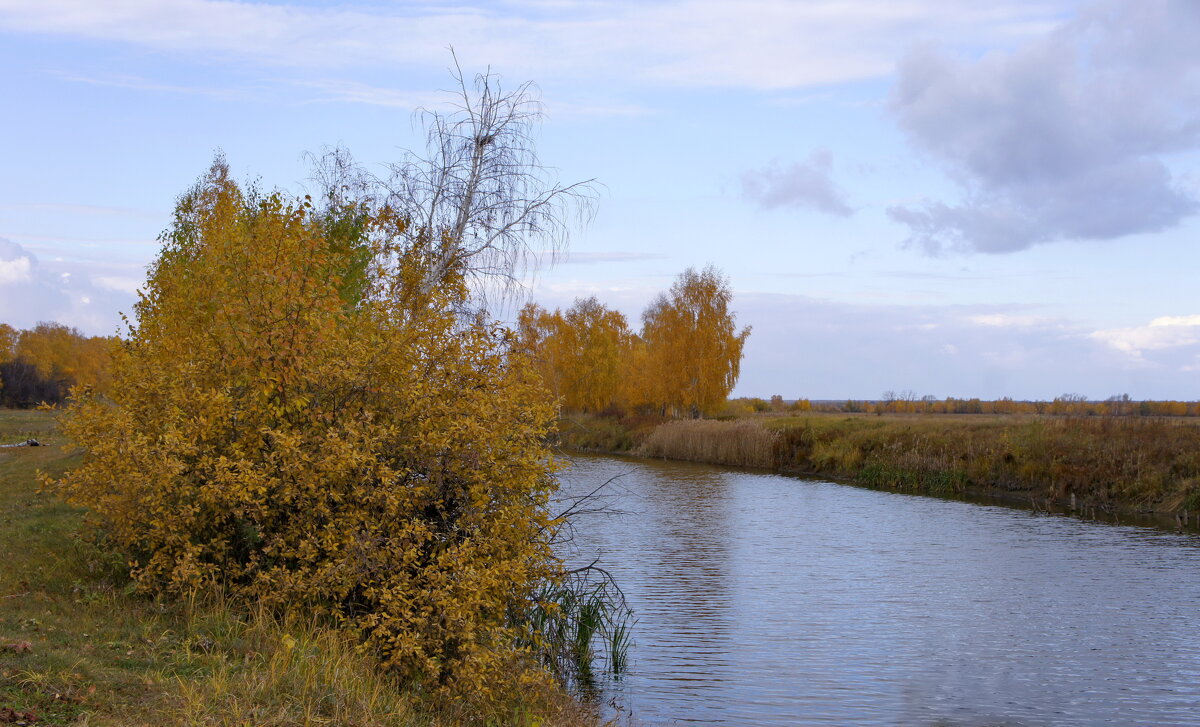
column 79, row 646
column 1114, row 465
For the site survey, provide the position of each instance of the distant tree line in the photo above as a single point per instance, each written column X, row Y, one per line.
column 41, row 364
column 909, row 403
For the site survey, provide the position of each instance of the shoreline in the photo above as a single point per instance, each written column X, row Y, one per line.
column 893, row 455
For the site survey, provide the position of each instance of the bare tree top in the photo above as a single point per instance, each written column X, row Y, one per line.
column 477, row 199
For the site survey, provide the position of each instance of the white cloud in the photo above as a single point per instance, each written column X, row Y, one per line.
column 1066, row 138
column 764, row 44
column 1009, row 320
column 804, row 346
column 1167, row 332
column 138, row 83
column 15, row 271
column 346, row 91
column 117, row 283
column 66, row 291
column 614, row 256
column 1176, row 321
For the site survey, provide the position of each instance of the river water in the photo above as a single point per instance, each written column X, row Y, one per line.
column 771, row 600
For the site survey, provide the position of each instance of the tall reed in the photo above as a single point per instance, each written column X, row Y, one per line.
column 739, row 443
column 1131, row 463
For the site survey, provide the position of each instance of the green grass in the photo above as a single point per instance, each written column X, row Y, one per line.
column 101, row 654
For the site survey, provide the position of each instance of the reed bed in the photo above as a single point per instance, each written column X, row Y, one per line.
column 739, row 443
column 1140, row 464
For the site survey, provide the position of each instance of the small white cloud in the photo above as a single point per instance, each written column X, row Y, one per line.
column 1007, row 320
column 806, row 184
column 344, row 91
column 615, row 256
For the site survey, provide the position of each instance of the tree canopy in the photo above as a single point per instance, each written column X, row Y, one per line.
column 686, row 359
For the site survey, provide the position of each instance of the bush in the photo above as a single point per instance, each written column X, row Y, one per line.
column 293, row 419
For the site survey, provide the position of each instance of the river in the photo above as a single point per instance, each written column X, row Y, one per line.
column 770, row 600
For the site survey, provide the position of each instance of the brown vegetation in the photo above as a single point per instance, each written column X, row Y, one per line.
column 1129, row 463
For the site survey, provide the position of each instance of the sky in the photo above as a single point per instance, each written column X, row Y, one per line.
column 953, row 199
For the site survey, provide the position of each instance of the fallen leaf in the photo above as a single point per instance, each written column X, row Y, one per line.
column 12, row 716
column 19, row 647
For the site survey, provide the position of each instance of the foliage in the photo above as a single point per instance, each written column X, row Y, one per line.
column 42, row 364
column 694, row 343
column 101, row 654
column 376, row 458
column 580, row 354
column 686, row 360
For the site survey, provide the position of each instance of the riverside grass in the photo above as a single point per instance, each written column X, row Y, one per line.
column 1116, row 464
column 99, row 654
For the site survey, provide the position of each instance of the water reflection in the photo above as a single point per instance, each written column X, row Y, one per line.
column 765, row 600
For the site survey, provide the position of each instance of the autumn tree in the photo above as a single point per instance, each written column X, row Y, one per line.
column 41, row 364
column 601, row 337
column 478, row 200
column 640, row 386
column 582, row 354
column 8, row 342
column 297, row 417
column 694, row 343
column 542, row 338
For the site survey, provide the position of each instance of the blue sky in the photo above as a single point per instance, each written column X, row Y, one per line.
column 958, row 199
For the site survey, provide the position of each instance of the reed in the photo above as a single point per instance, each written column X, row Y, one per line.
column 1142, row 464
column 738, row 443
column 571, row 618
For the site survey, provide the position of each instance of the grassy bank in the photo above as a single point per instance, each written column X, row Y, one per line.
column 78, row 646
column 1127, row 464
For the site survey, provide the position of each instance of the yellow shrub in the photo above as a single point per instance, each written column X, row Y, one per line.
column 291, row 418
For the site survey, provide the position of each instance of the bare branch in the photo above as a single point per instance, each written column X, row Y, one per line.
column 479, row 200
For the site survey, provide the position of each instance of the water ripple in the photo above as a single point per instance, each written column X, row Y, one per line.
column 766, row 600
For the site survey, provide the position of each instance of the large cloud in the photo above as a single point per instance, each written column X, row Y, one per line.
column 766, row 44
column 1068, row 137
column 87, row 294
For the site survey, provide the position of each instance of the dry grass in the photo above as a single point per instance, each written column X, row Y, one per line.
column 737, row 443
column 1112, row 463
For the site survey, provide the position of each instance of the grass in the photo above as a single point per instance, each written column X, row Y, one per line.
column 1113, row 464
column 79, row 647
